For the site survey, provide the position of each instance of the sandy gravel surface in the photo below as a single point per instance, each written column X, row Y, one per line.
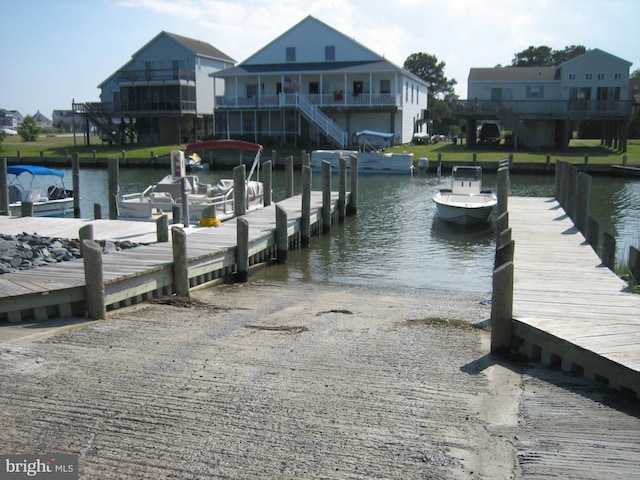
column 274, row 380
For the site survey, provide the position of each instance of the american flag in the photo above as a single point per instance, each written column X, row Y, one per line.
column 290, row 83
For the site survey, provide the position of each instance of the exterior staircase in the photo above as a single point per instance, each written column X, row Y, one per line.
column 95, row 113
column 324, row 123
column 520, row 131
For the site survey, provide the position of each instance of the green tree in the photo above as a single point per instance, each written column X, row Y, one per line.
column 428, row 68
column 543, row 56
column 635, row 73
column 29, row 130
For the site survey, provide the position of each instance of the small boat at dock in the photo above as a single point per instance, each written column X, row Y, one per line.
column 204, row 200
column 43, row 187
column 465, row 203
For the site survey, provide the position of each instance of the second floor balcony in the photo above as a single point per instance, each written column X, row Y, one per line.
column 155, row 75
column 544, row 109
column 291, row 100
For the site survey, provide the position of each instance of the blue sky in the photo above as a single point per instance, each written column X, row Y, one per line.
column 54, row 51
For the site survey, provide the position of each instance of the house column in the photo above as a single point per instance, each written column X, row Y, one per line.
column 471, row 133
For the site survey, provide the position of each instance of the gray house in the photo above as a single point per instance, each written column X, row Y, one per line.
column 315, row 85
column 164, row 94
column 543, row 105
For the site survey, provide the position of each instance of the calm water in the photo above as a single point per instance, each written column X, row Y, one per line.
column 396, row 239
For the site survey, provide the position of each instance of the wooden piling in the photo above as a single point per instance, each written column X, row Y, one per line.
column 85, row 233
column 326, row 196
column 267, row 182
column 180, row 262
column 185, row 201
column 242, row 250
column 342, row 189
column 94, row 280
column 583, row 195
column 75, row 168
column 502, row 309
column 502, row 190
column 240, row 190
column 608, row 255
column 634, row 263
column 504, row 251
column 305, row 218
column 282, row 239
column 593, row 232
column 97, row 211
column 162, row 229
column 114, row 182
column 26, row 209
column 352, row 208
column 4, row 188
column 288, row 176
column 175, row 214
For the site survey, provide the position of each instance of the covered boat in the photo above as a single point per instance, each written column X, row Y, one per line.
column 371, row 155
column 213, row 201
column 465, row 203
column 42, row 186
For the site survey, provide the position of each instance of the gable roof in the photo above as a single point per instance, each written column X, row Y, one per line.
column 199, row 47
column 595, row 51
column 514, row 74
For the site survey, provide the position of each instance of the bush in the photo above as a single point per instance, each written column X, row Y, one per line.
column 29, row 130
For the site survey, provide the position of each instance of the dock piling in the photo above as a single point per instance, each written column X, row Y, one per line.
column 180, row 262
column 94, row 280
column 305, row 217
column 282, row 240
column 242, row 250
column 326, row 196
column 4, row 188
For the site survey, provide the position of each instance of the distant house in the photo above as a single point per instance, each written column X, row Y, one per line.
column 542, row 105
column 65, row 119
column 10, row 118
column 164, row 94
column 42, row 121
column 316, row 86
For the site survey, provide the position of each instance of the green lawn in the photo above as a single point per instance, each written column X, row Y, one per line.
column 59, row 146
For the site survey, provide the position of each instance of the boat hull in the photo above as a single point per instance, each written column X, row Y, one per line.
column 465, row 211
column 50, row 208
column 368, row 162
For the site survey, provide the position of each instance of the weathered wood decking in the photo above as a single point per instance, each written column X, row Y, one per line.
column 137, row 274
column 569, row 309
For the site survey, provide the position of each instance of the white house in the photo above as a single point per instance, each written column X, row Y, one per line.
column 542, row 105
column 164, row 94
column 314, row 86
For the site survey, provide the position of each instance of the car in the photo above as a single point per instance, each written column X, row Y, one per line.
column 9, row 131
column 490, row 133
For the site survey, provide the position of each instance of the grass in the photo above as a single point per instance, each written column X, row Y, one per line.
column 58, row 146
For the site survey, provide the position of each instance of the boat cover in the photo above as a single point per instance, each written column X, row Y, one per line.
column 33, row 170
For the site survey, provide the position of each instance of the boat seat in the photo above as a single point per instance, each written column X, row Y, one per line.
column 55, row 193
column 161, row 197
column 15, row 195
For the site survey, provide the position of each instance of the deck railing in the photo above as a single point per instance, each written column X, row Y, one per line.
column 545, row 108
column 319, row 100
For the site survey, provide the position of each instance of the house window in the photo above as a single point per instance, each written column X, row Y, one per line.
column 252, row 91
column 535, row 91
column 601, row 76
column 572, row 76
column 589, row 76
column 617, row 76
column 502, row 94
column 314, row 88
column 385, row 86
column 291, row 54
column 329, row 52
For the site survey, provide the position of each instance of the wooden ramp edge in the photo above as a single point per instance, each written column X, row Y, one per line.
column 569, row 310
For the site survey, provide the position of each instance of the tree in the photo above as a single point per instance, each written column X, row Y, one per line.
column 544, row 56
column 30, row 129
column 635, row 73
column 428, row 68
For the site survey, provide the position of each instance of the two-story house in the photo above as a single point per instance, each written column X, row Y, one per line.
column 164, row 94
column 543, row 105
column 314, row 86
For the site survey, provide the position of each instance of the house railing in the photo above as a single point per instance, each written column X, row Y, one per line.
column 544, row 108
column 315, row 115
column 156, row 75
column 335, row 100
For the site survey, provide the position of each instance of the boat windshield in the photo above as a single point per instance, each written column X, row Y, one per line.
column 467, row 173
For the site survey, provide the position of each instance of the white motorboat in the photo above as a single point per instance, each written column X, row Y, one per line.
column 465, row 203
column 192, row 161
column 371, row 156
column 43, row 187
column 215, row 201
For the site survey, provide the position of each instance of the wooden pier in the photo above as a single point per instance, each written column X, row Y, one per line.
column 569, row 310
column 144, row 272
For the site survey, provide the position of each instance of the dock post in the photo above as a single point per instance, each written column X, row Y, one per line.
column 592, row 234
column 306, row 159
column 305, row 218
column 609, row 250
column 288, row 176
column 75, row 167
column 184, row 201
column 4, row 188
column 162, row 229
column 267, row 183
column 502, row 309
column 572, row 182
column 503, row 190
column 326, row 196
column 94, row 280
column 342, row 189
column 634, row 263
column 85, row 233
column 27, row 209
column 282, row 240
column 242, row 250
column 352, row 208
column 175, row 214
column 114, row 182
column 547, row 166
column 240, row 190
column 97, row 211
column 180, row 262
column 504, row 251
column 583, row 194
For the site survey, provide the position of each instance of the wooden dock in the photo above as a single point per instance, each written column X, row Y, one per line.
column 569, row 310
column 144, row 272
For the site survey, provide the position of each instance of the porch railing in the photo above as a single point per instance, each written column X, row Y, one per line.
column 320, row 100
column 545, row 108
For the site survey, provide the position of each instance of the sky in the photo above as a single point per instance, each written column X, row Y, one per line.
column 56, row 51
